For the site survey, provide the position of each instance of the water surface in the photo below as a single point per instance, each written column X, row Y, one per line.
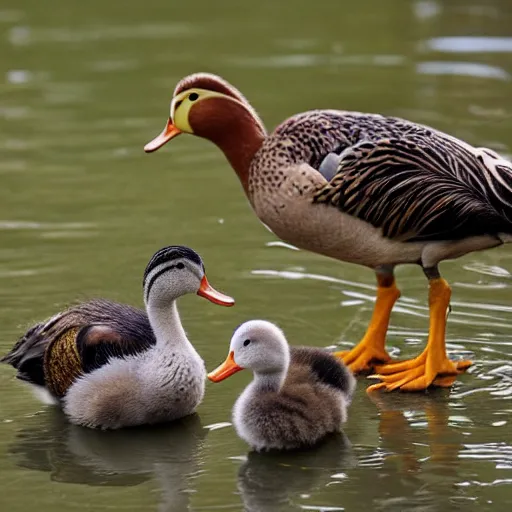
column 84, row 85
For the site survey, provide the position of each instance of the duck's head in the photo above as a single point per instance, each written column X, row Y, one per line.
column 207, row 106
column 257, row 345
column 175, row 271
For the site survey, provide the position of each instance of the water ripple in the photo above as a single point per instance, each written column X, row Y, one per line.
column 470, row 44
column 488, row 270
column 304, row 275
column 462, row 69
column 500, row 453
column 320, row 508
column 217, row 426
column 405, row 305
column 298, row 60
column 25, row 35
column 20, row 224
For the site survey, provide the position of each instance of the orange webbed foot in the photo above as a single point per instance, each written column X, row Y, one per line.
column 432, row 367
column 418, row 374
column 363, row 357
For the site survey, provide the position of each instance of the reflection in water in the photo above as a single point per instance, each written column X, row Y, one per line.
column 412, row 455
column 420, row 462
column 73, row 454
column 270, row 482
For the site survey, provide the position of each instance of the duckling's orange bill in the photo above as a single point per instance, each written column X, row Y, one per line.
column 207, row 291
column 170, row 131
column 225, row 370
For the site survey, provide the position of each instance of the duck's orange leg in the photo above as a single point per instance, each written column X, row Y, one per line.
column 432, row 366
column 371, row 349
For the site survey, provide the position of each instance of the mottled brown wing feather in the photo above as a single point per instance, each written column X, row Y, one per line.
column 417, row 192
column 100, row 330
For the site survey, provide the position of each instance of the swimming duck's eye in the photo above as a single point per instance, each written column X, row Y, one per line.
column 180, row 265
column 193, row 96
column 246, row 342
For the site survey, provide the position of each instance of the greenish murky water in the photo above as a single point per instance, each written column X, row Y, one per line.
column 83, row 86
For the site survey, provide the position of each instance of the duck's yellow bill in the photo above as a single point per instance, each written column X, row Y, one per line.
column 225, row 370
column 169, row 132
column 207, row 291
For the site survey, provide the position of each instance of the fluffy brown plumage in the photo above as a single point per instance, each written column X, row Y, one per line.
column 298, row 395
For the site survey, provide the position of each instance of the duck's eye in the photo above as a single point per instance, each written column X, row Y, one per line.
column 180, row 265
column 246, row 342
column 193, row 96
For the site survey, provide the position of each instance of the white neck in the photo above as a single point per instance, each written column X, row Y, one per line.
column 166, row 324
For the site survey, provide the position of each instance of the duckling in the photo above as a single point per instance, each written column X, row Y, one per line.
column 111, row 365
column 298, row 395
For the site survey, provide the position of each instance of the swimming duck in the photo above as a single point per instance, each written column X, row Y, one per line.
column 363, row 188
column 111, row 365
column 297, row 396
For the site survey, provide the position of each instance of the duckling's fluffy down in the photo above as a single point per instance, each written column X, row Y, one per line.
column 312, row 403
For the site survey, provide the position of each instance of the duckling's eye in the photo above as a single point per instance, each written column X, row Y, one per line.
column 180, row 265
column 246, row 342
column 193, row 96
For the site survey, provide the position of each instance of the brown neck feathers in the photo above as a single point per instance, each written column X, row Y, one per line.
column 233, row 128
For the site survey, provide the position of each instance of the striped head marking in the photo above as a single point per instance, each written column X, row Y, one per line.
column 175, row 271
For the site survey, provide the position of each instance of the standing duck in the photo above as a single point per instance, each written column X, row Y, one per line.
column 111, row 365
column 363, row 188
column 298, row 395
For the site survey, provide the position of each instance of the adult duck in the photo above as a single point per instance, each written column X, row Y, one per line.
column 364, row 188
column 298, row 395
column 111, row 365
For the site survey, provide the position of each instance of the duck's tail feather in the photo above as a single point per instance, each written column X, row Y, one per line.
column 27, row 355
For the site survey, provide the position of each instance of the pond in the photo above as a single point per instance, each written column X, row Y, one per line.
column 84, row 86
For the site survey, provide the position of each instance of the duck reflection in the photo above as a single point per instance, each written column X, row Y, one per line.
column 402, row 425
column 273, row 481
column 74, row 454
column 421, row 444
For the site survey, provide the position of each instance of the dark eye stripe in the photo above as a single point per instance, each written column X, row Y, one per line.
column 156, row 276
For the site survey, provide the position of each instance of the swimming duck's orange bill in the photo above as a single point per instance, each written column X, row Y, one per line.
column 207, row 291
column 169, row 132
column 225, row 370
